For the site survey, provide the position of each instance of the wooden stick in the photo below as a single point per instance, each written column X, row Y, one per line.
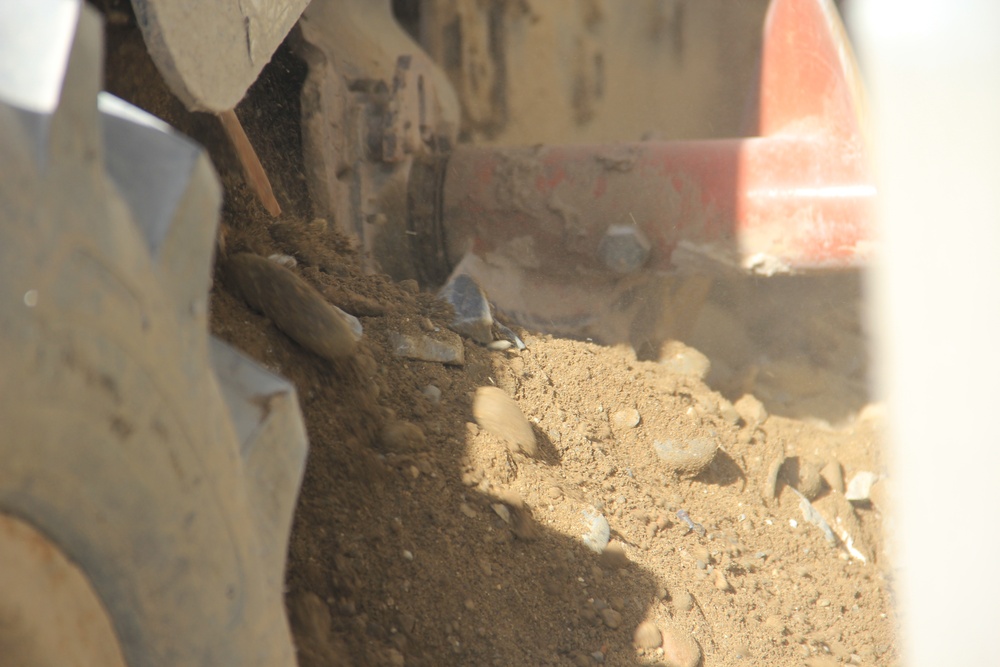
column 253, row 170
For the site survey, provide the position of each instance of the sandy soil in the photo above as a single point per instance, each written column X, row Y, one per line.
column 420, row 539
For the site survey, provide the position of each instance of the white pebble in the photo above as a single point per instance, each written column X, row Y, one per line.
column 598, row 531
column 286, row 261
column 859, row 489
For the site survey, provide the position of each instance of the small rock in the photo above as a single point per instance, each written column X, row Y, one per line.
column 721, row 582
column 686, row 458
column 684, row 601
column 611, row 618
column 499, row 345
column 502, row 511
column 833, row 473
column 598, row 531
column 400, row 436
column 773, row 474
column 679, row 648
column 467, row 510
column 507, row 334
column 859, row 489
column 626, row 418
column 432, row 393
column 472, row 310
column 424, row 348
column 292, row 304
column 647, row 635
column 410, row 285
column 614, row 557
column 751, row 410
column 683, row 360
column 554, row 493
column 808, row 482
column 286, row 261
column 497, row 413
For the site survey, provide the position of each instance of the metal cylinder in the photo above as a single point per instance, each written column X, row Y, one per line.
column 779, row 199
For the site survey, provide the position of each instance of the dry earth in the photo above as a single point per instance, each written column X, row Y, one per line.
column 420, row 539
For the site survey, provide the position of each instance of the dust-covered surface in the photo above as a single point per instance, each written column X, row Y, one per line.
column 421, row 539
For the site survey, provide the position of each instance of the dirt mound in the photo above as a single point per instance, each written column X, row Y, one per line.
column 422, row 539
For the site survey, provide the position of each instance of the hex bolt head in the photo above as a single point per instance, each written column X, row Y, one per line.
column 624, row 248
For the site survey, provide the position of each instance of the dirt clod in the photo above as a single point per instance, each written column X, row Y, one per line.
column 647, row 635
column 679, row 648
column 497, row 413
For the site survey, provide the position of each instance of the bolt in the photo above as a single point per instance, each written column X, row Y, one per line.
column 624, row 248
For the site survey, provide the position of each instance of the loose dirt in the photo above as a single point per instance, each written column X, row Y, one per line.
column 422, row 539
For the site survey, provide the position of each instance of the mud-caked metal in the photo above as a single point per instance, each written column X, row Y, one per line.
column 162, row 465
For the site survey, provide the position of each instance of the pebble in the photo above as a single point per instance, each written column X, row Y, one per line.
column 611, row 618
column 680, row 649
column 400, row 436
column 686, row 458
column 472, row 310
column 450, row 352
column 647, row 635
column 626, row 418
column 810, row 482
column 286, row 261
column 297, row 309
column 554, row 493
column 721, row 582
column 751, row 410
column 598, row 531
column 859, row 489
column 502, row 511
column 773, row 473
column 684, row 601
column 432, row 394
column 683, row 360
column 833, row 473
column 497, row 413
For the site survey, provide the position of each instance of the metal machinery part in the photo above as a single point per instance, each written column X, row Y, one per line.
column 210, row 53
column 794, row 196
column 150, row 472
column 372, row 103
column 584, row 239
